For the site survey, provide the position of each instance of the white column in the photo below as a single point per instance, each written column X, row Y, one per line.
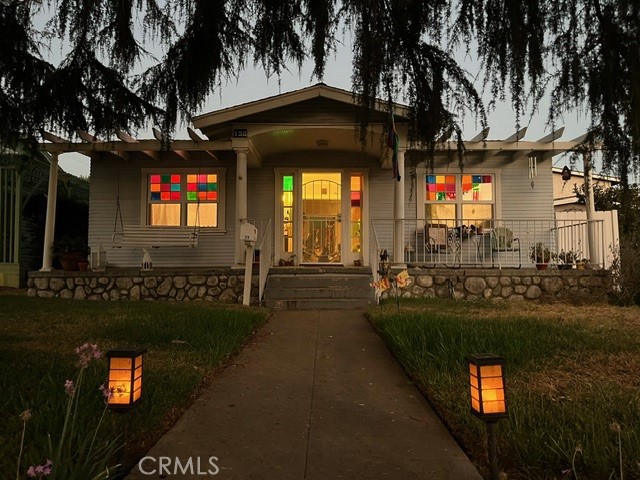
column 50, row 223
column 592, row 247
column 398, row 212
column 241, row 200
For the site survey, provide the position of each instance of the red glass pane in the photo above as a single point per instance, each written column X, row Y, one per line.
column 202, row 195
column 155, row 178
column 191, row 187
column 165, row 187
column 202, row 178
column 212, row 195
column 175, row 178
column 165, row 196
column 175, row 195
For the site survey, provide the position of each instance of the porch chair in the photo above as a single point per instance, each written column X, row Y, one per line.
column 502, row 241
column 436, row 235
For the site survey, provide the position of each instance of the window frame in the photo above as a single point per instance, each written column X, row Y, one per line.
column 145, row 210
column 459, row 202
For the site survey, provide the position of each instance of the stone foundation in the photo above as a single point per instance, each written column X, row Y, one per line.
column 507, row 284
column 224, row 285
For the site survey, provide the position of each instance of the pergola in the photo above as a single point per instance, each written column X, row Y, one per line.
column 476, row 150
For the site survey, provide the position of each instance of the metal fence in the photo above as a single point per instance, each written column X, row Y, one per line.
column 494, row 243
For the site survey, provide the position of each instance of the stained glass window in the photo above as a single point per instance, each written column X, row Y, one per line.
column 287, row 212
column 165, row 187
column 477, row 188
column 441, row 188
column 169, row 195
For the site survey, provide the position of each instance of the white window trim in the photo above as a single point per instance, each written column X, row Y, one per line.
column 144, row 195
column 421, row 172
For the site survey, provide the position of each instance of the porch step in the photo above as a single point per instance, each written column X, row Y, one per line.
column 319, row 288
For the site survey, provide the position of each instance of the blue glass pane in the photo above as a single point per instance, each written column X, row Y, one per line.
column 202, row 187
column 175, row 187
column 477, row 179
column 155, row 195
column 431, row 179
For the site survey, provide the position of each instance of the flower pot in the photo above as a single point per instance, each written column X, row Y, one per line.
column 542, row 266
column 83, row 265
column 69, row 261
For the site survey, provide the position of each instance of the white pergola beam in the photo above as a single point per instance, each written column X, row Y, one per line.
column 159, row 135
column 481, row 136
column 516, row 137
column 53, row 138
column 141, row 145
column 86, row 136
column 553, row 136
column 125, row 137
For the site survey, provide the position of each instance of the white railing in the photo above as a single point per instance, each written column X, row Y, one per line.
column 374, row 254
column 492, row 242
column 266, row 262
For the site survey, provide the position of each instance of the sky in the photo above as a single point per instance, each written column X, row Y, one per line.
column 253, row 84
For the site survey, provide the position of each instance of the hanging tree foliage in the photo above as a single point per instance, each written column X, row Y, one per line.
column 585, row 53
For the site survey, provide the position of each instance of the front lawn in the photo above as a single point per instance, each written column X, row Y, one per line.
column 573, row 380
column 185, row 342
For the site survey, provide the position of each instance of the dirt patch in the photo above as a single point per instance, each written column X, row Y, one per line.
column 12, row 291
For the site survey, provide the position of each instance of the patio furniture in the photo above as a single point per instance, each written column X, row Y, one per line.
column 155, row 237
column 502, row 240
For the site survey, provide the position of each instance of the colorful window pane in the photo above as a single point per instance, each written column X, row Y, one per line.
column 164, row 188
column 477, row 188
column 441, row 188
column 202, row 186
column 287, row 183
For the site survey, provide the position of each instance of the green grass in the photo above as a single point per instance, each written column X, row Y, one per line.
column 572, row 373
column 185, row 342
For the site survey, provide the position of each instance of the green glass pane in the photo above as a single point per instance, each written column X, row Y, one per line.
column 212, row 187
column 192, row 196
column 287, row 183
column 166, row 178
column 175, row 187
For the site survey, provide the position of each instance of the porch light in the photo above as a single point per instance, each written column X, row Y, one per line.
column 566, row 174
column 125, row 378
column 488, row 402
column 98, row 259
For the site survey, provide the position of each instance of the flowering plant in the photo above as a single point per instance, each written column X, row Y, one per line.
column 77, row 454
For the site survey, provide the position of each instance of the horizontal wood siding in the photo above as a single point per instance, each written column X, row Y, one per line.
column 213, row 249
column 519, row 200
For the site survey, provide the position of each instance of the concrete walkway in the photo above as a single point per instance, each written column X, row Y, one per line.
column 317, row 396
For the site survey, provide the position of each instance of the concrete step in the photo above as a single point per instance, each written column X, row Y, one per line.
column 319, row 288
column 319, row 304
column 318, row 281
column 302, row 292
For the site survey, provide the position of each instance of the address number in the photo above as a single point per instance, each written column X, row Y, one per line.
column 240, row 133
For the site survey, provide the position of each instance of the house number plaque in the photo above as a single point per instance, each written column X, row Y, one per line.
column 240, row 133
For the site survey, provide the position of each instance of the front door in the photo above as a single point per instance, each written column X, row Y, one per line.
column 321, row 217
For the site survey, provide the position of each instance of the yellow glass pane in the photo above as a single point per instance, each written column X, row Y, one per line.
column 138, row 361
column 494, row 406
column 490, row 371
column 192, row 179
column 120, row 363
column 206, row 216
column 356, row 183
column 287, row 199
column 166, row 214
column 492, row 382
column 212, row 178
column 119, row 375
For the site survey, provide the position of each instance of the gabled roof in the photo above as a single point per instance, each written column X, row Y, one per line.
column 319, row 90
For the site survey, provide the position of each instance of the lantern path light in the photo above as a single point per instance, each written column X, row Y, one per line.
column 488, row 399
column 125, row 378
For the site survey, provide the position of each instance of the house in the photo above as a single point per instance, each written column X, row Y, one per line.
column 564, row 197
column 23, row 185
column 293, row 166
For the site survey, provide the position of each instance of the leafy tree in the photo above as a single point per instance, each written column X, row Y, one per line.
column 613, row 198
column 585, row 53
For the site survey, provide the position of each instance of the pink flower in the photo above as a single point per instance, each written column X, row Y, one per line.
column 40, row 471
column 86, row 353
column 69, row 387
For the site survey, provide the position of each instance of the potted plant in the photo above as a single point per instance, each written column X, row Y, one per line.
column 71, row 250
column 540, row 255
column 582, row 264
column 567, row 259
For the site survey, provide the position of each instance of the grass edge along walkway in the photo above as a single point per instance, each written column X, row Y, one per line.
column 572, row 384
column 187, row 344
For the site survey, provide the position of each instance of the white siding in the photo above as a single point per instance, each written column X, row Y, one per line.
column 213, row 249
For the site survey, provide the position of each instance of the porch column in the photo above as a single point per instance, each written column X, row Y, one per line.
column 592, row 246
column 50, row 222
column 241, row 200
column 398, row 212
